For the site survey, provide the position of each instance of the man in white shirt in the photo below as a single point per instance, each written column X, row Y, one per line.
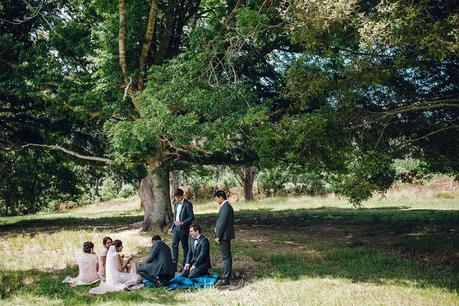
column 183, row 217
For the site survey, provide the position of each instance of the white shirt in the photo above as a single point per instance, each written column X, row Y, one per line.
column 195, row 240
column 220, row 206
column 179, row 210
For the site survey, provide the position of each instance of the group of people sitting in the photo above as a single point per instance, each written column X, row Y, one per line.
column 110, row 266
column 118, row 273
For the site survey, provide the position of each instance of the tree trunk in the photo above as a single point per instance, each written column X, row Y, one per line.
column 95, row 196
column 249, row 176
column 154, row 197
column 174, row 181
column 217, row 174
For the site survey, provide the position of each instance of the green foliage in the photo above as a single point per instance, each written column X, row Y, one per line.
column 132, row 140
column 127, row 191
column 32, row 180
column 340, row 88
column 370, row 172
column 43, row 74
column 108, row 189
column 291, row 180
column 410, row 170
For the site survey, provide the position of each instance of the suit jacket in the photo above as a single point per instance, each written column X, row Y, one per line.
column 186, row 215
column 224, row 227
column 199, row 256
column 159, row 262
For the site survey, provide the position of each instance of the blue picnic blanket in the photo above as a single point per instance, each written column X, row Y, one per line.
column 180, row 282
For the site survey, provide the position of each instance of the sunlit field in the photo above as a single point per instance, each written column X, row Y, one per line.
column 401, row 249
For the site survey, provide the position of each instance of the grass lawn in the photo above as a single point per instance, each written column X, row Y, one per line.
column 400, row 250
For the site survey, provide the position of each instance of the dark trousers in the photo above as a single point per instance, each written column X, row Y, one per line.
column 225, row 252
column 179, row 236
column 163, row 278
column 196, row 272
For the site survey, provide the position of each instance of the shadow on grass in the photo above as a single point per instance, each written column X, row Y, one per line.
column 29, row 286
column 117, row 223
column 261, row 218
column 359, row 264
column 418, row 231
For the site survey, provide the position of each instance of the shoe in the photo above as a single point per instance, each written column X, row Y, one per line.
column 224, row 282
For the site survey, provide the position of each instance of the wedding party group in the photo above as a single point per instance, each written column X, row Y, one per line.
column 161, row 267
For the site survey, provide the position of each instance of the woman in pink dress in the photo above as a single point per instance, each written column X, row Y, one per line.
column 88, row 265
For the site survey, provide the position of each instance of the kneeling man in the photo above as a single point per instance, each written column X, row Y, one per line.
column 158, row 266
column 198, row 257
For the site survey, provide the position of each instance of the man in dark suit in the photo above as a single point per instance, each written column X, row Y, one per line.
column 224, row 233
column 158, row 267
column 198, row 259
column 183, row 217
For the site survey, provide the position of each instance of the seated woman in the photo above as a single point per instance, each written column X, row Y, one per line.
column 116, row 280
column 107, row 242
column 88, row 264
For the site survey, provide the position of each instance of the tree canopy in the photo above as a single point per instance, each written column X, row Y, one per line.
column 338, row 88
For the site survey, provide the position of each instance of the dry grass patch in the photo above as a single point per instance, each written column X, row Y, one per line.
column 56, row 251
column 319, row 291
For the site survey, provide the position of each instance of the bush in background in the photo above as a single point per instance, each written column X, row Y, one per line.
column 127, row 191
column 291, row 180
column 108, row 189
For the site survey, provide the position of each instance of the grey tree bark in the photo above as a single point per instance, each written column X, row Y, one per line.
column 154, row 197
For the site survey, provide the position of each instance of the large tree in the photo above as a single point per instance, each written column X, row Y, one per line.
column 338, row 87
column 42, row 67
column 375, row 81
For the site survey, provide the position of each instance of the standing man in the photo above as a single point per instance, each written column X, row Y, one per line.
column 198, row 259
column 183, row 217
column 224, row 232
column 158, row 267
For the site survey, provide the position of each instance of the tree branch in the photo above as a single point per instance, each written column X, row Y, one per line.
column 234, row 157
column 72, row 153
column 168, row 32
column 230, row 18
column 149, row 32
column 424, row 106
column 122, row 39
column 434, row 132
column 126, row 90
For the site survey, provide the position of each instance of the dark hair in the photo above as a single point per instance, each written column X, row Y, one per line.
column 117, row 243
column 220, row 194
column 104, row 241
column 88, row 246
column 179, row 192
column 156, row 238
column 196, row 228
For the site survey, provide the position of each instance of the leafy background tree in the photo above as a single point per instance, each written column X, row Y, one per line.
column 42, row 67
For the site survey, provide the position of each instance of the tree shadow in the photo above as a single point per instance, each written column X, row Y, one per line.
column 35, row 284
column 359, row 261
column 115, row 224
column 247, row 218
column 358, row 265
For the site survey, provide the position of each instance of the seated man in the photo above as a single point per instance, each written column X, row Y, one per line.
column 198, row 257
column 158, row 266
